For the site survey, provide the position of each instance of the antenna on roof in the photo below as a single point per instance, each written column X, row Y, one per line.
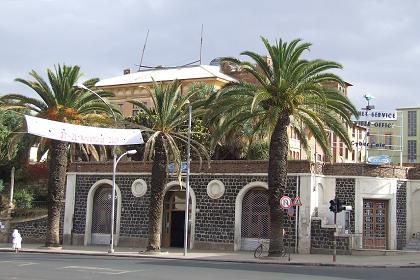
column 144, row 48
column 201, row 41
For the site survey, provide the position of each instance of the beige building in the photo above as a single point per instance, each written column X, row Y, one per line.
column 132, row 85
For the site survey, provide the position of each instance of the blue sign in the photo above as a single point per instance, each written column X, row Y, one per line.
column 379, row 160
column 171, row 167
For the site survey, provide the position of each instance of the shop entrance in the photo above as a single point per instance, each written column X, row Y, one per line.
column 174, row 218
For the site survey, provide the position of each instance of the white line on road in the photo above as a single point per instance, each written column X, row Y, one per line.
column 19, row 263
column 26, row 264
column 102, row 270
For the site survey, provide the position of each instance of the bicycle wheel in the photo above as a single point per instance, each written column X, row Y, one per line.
column 258, row 251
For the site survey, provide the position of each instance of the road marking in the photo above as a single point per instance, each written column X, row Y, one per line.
column 19, row 263
column 26, row 264
column 101, row 270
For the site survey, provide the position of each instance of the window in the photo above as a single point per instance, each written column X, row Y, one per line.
column 135, row 110
column 388, row 141
column 412, row 123
column 412, row 150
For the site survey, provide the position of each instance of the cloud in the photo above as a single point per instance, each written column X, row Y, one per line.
column 376, row 41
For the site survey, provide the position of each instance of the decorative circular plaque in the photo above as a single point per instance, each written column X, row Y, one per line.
column 215, row 189
column 139, row 188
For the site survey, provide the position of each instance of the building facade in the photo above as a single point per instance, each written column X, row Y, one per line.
column 398, row 139
column 229, row 206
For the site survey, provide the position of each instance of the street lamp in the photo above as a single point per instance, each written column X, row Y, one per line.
column 114, row 164
column 187, row 181
column 114, row 171
column 369, row 107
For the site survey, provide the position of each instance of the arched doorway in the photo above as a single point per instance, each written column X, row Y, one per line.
column 99, row 209
column 255, row 222
column 173, row 222
column 246, row 235
column 101, row 216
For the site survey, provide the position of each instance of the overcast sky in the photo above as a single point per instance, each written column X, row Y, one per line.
column 377, row 42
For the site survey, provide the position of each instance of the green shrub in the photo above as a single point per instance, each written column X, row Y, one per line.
column 23, row 199
column 258, row 151
column 1, row 186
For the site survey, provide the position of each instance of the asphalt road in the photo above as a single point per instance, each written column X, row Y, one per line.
column 25, row 266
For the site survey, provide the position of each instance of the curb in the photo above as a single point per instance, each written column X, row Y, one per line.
column 205, row 259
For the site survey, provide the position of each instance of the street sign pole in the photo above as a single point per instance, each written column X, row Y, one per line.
column 335, row 238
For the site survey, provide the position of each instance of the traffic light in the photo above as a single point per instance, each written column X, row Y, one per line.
column 333, row 205
column 340, row 205
column 337, row 205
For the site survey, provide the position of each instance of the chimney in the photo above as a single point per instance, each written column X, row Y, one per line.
column 127, row 71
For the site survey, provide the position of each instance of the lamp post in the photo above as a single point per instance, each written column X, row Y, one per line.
column 369, row 107
column 114, row 171
column 187, row 181
column 114, row 164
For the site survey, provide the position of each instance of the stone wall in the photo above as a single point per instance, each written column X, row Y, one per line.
column 215, row 218
column 361, row 169
column 218, row 166
column 401, row 214
column 322, row 239
column 32, row 231
column 345, row 191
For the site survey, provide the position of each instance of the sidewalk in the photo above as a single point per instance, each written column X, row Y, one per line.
column 411, row 259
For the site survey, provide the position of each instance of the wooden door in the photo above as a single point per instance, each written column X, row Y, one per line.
column 375, row 224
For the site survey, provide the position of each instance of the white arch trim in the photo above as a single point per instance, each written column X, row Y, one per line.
column 193, row 207
column 238, row 210
column 89, row 211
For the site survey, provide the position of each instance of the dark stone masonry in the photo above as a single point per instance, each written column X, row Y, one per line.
column 322, row 239
column 345, row 191
column 401, row 214
column 215, row 218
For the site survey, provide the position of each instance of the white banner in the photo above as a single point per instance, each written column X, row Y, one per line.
column 375, row 115
column 82, row 134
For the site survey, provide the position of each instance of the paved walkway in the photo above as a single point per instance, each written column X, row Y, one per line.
column 398, row 259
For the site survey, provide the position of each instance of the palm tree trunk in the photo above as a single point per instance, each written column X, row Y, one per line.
column 156, row 196
column 56, row 181
column 277, row 181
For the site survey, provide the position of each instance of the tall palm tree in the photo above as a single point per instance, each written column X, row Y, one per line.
column 164, row 125
column 290, row 91
column 60, row 101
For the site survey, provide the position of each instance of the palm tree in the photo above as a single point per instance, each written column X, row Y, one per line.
column 60, row 101
column 164, row 125
column 290, row 91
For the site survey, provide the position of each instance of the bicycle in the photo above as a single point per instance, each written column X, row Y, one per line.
column 263, row 246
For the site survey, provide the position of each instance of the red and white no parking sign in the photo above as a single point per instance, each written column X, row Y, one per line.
column 286, row 202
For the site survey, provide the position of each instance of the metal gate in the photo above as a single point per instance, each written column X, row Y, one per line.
column 375, row 225
column 255, row 222
column 101, row 216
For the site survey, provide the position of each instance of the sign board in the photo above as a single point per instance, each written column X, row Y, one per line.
column 376, row 115
column 372, row 145
column 82, row 134
column 379, row 160
column 171, row 167
column 286, row 202
column 297, row 202
column 376, row 124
